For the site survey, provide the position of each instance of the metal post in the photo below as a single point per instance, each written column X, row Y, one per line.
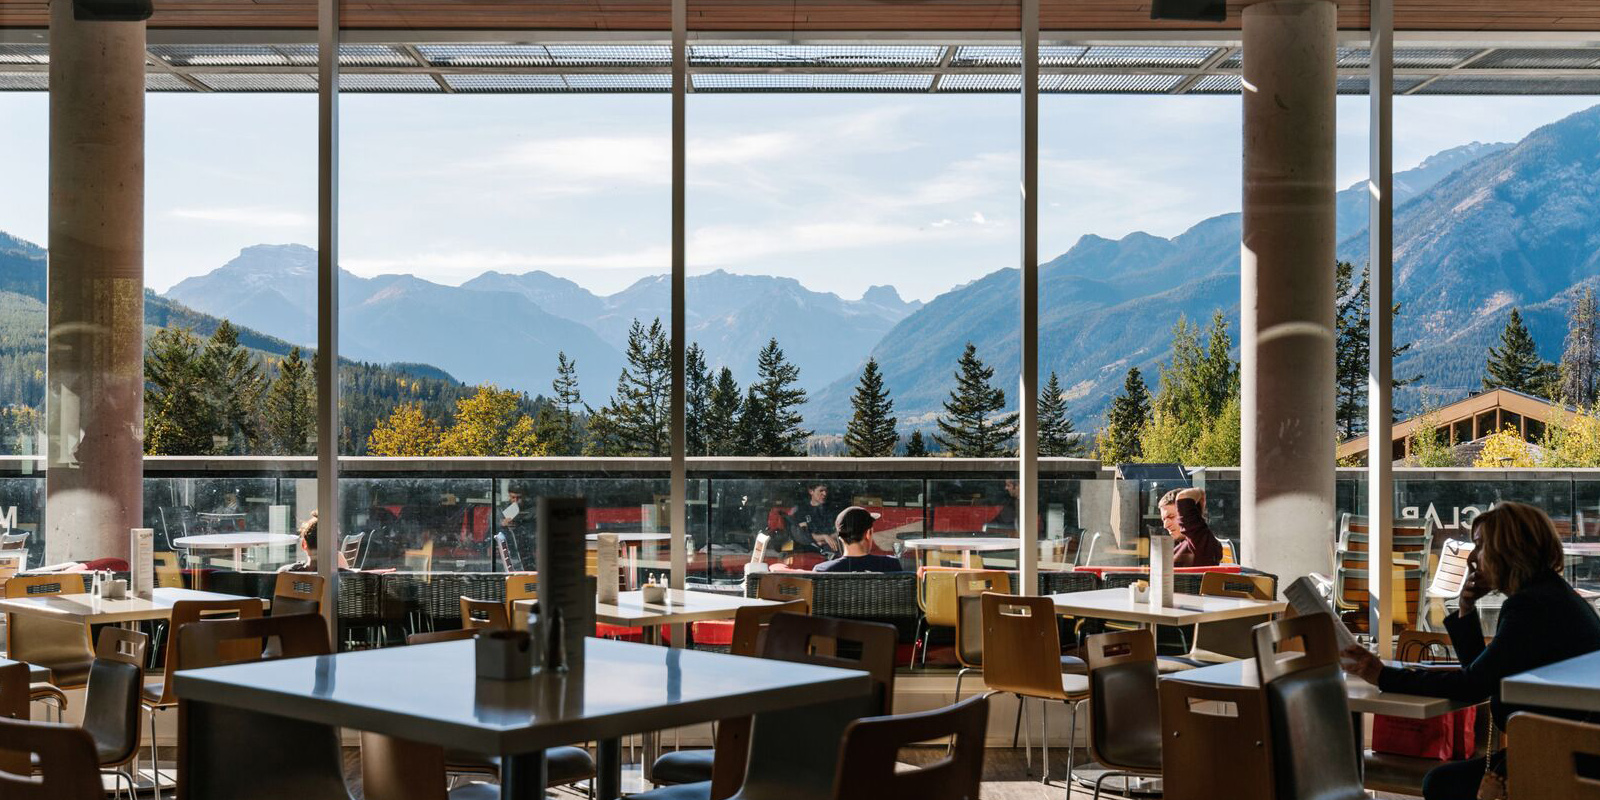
column 327, row 554
column 1380, row 299
column 680, row 517
column 1028, row 388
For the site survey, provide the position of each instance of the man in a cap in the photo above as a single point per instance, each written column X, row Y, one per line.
column 854, row 528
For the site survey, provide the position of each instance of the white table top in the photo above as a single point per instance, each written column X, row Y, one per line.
column 231, row 540
column 633, row 537
column 1187, row 609
column 963, row 543
column 92, row 609
column 679, row 606
column 1572, row 684
column 1364, row 697
column 1581, row 548
column 429, row 693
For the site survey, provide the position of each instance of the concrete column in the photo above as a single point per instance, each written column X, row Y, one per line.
column 95, row 356
column 1286, row 288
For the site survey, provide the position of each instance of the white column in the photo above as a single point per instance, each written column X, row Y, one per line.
column 679, row 477
column 1028, row 388
column 1380, row 298
column 1286, row 287
column 94, row 359
column 328, row 308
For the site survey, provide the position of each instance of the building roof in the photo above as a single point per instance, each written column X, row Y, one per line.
column 1523, row 405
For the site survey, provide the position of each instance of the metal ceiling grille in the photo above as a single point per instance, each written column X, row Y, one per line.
column 956, row 68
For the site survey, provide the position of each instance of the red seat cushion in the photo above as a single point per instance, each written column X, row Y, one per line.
column 623, row 632
column 713, row 632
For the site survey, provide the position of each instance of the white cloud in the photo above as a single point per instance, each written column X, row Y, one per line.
column 977, row 217
column 257, row 217
column 445, row 266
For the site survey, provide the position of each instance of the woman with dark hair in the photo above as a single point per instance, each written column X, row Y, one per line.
column 1518, row 552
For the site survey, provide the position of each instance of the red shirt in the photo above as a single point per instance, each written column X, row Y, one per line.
column 1199, row 546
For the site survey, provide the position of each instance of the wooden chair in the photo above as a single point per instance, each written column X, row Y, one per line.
column 160, row 695
column 65, row 762
column 520, row 586
column 431, row 637
column 111, row 703
column 1351, row 568
column 868, row 763
column 62, row 647
column 1228, row 640
column 217, row 642
column 1314, row 745
column 1215, row 742
column 350, row 549
column 14, row 700
column 1124, row 705
column 969, row 620
column 169, row 570
column 1544, row 754
column 936, row 596
column 420, row 559
column 297, row 593
column 1022, row 656
column 484, row 614
column 718, row 633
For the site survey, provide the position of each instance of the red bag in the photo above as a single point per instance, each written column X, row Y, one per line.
column 1442, row 738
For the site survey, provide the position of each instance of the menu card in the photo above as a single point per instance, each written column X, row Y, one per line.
column 142, row 561
column 607, row 569
column 1161, row 574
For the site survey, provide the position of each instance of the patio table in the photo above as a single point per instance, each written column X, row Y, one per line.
column 965, row 545
column 237, row 542
column 429, row 694
column 1573, row 684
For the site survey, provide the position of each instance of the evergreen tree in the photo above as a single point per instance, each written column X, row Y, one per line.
column 871, row 433
column 407, row 432
column 1196, row 387
column 179, row 413
column 752, row 421
column 696, row 400
column 1056, row 436
column 1118, row 442
column 972, row 425
column 775, row 418
column 635, row 421
column 1580, row 360
column 1352, row 327
column 290, row 413
column 238, row 390
column 915, row 447
column 563, row 425
column 724, row 408
column 1516, row 364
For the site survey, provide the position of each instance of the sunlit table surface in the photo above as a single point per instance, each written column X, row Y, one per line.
column 95, row 610
column 1186, row 609
column 1364, row 697
column 679, row 606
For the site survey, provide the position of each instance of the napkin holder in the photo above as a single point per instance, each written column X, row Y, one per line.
column 504, row 655
column 1161, row 570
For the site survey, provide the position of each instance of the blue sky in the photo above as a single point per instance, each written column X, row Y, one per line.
column 839, row 191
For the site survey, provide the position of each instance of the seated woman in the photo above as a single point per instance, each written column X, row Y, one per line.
column 854, row 526
column 1543, row 621
column 308, row 550
column 1182, row 514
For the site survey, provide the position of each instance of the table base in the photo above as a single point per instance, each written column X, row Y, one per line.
column 1087, row 774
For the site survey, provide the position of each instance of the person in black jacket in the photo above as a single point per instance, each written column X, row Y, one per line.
column 1543, row 621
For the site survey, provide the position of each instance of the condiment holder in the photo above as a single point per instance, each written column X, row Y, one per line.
column 1139, row 592
column 653, row 592
column 504, row 655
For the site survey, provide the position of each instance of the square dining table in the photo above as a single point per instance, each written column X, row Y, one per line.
column 430, row 694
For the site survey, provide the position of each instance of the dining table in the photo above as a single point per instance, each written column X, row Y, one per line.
column 1186, row 609
column 271, row 719
column 1573, row 685
column 92, row 609
column 236, row 542
column 969, row 547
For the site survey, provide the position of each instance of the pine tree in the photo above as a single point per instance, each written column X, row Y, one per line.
column 239, row 387
column 634, row 423
column 1056, row 436
column 1352, row 327
column 776, row 418
column 407, row 432
column 290, row 413
column 1580, row 360
column 972, row 425
column 724, row 408
column 1118, row 442
column 179, row 410
column 915, row 447
column 563, row 434
column 696, row 400
column 871, row 433
column 1516, row 364
column 752, row 421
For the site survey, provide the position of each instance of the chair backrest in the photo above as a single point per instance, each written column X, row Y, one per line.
column 420, row 559
column 1086, row 555
column 350, row 548
column 1356, row 527
column 1552, row 759
column 66, row 770
column 520, row 586
column 786, row 588
column 111, row 703
column 1215, row 742
column 169, row 571
column 869, row 755
column 484, row 614
column 296, row 593
column 431, row 637
column 1451, row 574
column 969, row 591
column 14, row 700
column 1123, row 700
column 187, row 612
column 216, row 642
column 14, row 541
column 936, row 591
column 41, row 640
column 1021, row 645
column 1313, row 742
column 1232, row 637
column 1423, row 647
column 867, row 646
column 750, row 625
column 1229, row 555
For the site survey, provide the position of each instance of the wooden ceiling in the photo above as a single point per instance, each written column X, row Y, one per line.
column 808, row 15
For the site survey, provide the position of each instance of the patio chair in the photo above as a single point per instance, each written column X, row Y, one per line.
column 1449, row 578
column 1124, row 705
column 350, row 549
column 1313, row 741
column 936, row 595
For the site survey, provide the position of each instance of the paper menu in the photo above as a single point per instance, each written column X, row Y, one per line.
column 1161, row 570
column 142, row 552
column 606, row 567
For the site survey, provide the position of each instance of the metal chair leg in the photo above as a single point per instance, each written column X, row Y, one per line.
column 1072, row 748
column 1044, row 738
column 1027, row 736
column 155, row 761
column 1100, row 780
column 1016, row 728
